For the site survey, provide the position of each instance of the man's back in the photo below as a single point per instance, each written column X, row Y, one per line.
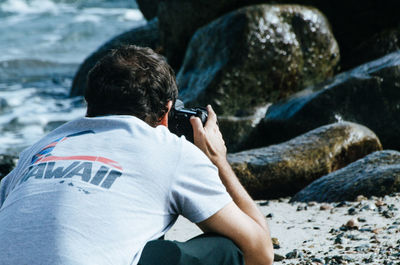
column 97, row 189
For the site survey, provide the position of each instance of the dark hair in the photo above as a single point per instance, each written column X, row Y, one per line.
column 131, row 80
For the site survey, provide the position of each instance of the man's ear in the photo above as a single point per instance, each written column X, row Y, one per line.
column 164, row 119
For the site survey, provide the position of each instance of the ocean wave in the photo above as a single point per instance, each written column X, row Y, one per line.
column 30, row 112
column 30, row 7
column 44, row 41
column 32, row 69
column 56, row 6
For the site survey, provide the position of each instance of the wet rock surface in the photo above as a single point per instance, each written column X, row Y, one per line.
column 368, row 95
column 236, row 129
column 148, row 8
column 179, row 20
column 256, row 55
column 377, row 46
column 284, row 169
column 146, row 35
column 352, row 22
column 377, row 174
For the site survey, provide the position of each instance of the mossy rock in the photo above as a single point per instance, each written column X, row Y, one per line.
column 284, row 169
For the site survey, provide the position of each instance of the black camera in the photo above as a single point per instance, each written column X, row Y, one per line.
column 179, row 119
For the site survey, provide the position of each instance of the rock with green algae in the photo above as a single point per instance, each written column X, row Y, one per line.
column 284, row 169
column 352, row 21
column 368, row 95
column 255, row 55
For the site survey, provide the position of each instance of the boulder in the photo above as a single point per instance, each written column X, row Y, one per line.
column 368, row 95
column 180, row 19
column 235, row 129
column 377, row 46
column 377, row 174
column 284, row 169
column 7, row 163
column 146, row 35
column 352, row 22
column 148, row 8
column 256, row 55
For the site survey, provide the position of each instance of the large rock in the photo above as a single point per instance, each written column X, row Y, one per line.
column 284, row 169
column 235, row 129
column 369, row 95
column 148, row 8
column 352, row 21
column 179, row 19
column 146, row 35
column 256, row 55
column 377, row 46
column 377, row 174
column 7, row 163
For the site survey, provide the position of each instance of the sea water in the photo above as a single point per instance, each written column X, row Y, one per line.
column 42, row 43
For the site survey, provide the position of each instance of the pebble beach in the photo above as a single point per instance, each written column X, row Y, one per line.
column 366, row 231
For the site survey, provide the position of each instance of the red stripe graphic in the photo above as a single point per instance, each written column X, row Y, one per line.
column 86, row 158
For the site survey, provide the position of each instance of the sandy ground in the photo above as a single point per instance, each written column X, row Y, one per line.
column 320, row 233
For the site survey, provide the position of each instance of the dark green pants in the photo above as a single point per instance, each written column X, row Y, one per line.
column 207, row 249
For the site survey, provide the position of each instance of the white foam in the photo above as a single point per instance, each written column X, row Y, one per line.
column 87, row 18
column 29, row 7
column 29, row 112
column 133, row 15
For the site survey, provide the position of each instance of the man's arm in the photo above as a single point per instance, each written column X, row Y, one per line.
column 240, row 221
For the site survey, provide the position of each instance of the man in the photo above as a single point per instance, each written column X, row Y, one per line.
column 97, row 189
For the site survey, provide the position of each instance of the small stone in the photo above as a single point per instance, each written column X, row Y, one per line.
column 278, row 257
column 351, row 211
column 361, row 198
column 368, row 207
column 377, row 230
column 312, row 203
column 318, row 261
column 379, row 203
column 388, row 214
column 294, row 254
column 275, row 243
column 361, row 248
column 270, row 215
column 375, row 241
column 370, row 259
column 339, row 240
column 301, row 208
column 325, row 207
column 353, row 224
column 341, row 204
column 362, row 219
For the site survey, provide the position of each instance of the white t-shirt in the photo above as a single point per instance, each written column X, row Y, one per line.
column 95, row 190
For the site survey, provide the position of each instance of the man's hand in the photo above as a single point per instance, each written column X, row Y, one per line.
column 240, row 221
column 209, row 138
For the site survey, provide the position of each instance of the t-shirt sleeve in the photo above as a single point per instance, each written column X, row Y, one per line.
column 196, row 190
